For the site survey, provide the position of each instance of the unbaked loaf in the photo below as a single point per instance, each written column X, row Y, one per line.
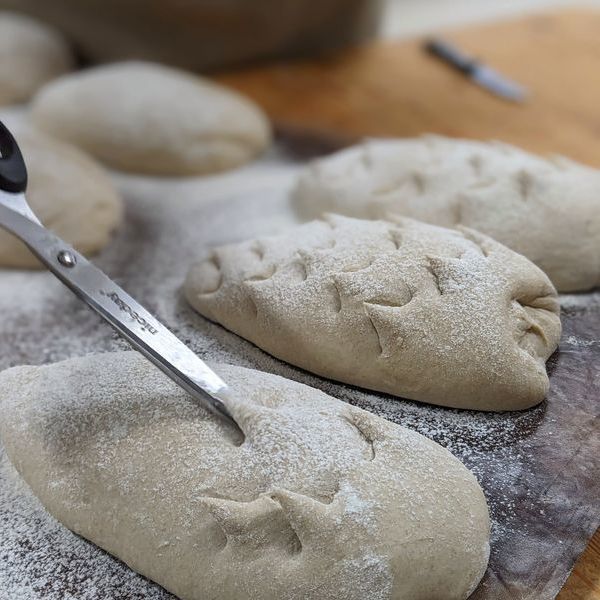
column 321, row 501
column 70, row 194
column 31, row 54
column 545, row 208
column 441, row 316
column 152, row 119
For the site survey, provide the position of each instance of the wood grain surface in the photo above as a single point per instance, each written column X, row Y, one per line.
column 584, row 581
column 395, row 89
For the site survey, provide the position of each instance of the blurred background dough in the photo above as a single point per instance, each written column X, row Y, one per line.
column 31, row 53
column 147, row 118
column 70, row 194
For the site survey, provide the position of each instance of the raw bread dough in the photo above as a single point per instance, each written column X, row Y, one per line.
column 414, row 310
column 322, row 501
column 69, row 193
column 31, row 54
column 546, row 209
column 152, row 119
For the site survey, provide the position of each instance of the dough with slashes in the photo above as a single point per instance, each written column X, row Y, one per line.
column 546, row 209
column 321, row 500
column 70, row 193
column 447, row 317
column 148, row 118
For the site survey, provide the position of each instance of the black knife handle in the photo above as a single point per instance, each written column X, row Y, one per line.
column 13, row 174
column 451, row 55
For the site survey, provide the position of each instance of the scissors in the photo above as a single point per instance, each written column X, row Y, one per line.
column 145, row 333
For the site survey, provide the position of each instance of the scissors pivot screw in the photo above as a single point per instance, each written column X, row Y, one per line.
column 66, row 258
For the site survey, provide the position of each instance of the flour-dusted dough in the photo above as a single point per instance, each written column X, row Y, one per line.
column 546, row 209
column 31, row 54
column 414, row 310
column 322, row 501
column 71, row 195
column 148, row 118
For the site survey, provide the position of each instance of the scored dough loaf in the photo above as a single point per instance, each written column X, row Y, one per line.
column 437, row 315
column 546, row 209
column 31, row 54
column 70, row 194
column 321, row 501
column 152, row 119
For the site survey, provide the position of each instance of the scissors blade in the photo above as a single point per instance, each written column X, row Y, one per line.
column 18, row 203
column 126, row 315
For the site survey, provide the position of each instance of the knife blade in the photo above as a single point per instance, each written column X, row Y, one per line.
column 481, row 74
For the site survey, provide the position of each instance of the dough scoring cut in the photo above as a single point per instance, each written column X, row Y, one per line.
column 441, row 316
column 152, row 119
column 320, row 501
column 70, row 194
column 546, row 209
column 31, row 54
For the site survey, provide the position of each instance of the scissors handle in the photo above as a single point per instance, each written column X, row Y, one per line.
column 13, row 173
column 145, row 333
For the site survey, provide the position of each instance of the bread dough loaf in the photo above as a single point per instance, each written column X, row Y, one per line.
column 322, row 501
column 147, row 118
column 546, row 209
column 70, row 194
column 410, row 309
column 30, row 55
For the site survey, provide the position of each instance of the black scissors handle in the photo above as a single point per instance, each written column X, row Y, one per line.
column 13, row 174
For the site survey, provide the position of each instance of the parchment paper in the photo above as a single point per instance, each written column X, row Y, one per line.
column 539, row 468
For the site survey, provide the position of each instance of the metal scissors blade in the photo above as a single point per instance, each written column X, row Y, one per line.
column 145, row 333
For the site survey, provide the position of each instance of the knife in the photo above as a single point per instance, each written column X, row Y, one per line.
column 479, row 73
column 145, row 333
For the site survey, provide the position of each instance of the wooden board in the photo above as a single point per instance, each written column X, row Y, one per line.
column 584, row 582
column 394, row 88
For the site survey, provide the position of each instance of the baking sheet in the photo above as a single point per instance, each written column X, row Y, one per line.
column 539, row 468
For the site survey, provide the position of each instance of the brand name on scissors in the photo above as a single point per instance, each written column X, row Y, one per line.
column 127, row 309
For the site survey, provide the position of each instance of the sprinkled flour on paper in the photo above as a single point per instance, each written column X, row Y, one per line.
column 517, row 457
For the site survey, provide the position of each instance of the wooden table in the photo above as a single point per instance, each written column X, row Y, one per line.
column 395, row 89
column 584, row 581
